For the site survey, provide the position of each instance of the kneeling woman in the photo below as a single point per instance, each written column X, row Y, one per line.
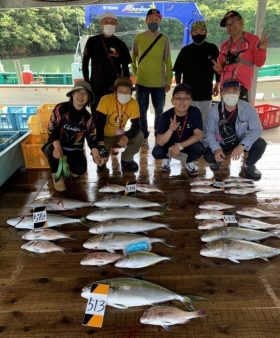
column 69, row 125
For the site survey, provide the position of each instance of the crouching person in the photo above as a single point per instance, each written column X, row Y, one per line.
column 233, row 127
column 70, row 124
column 179, row 132
column 113, row 112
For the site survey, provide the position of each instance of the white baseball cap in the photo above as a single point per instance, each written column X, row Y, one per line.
column 108, row 15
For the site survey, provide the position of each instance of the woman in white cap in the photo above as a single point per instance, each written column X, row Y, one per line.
column 109, row 57
column 70, row 124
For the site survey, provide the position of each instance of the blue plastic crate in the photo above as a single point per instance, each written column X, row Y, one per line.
column 22, row 115
column 7, row 122
column 7, row 138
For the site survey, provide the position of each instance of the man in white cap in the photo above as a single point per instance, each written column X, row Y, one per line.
column 109, row 58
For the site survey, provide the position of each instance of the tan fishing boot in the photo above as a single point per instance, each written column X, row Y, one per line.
column 60, row 184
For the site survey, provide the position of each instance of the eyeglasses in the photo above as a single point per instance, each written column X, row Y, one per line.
column 185, row 99
column 232, row 22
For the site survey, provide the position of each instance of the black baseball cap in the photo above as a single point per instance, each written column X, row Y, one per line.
column 229, row 15
column 153, row 11
column 182, row 87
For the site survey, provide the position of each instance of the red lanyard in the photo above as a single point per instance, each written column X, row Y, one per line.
column 181, row 129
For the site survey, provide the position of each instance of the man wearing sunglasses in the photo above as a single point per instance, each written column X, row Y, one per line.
column 240, row 53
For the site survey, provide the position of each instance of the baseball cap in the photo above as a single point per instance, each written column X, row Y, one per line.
column 153, row 11
column 182, row 87
column 108, row 15
column 199, row 25
column 229, row 15
column 123, row 81
column 230, row 83
column 81, row 85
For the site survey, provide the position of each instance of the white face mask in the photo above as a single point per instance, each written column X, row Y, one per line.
column 109, row 29
column 123, row 98
column 230, row 99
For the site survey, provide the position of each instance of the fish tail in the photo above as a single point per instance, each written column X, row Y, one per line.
column 201, row 313
column 163, row 241
column 83, row 221
column 187, row 302
column 276, row 233
column 164, row 206
column 196, row 298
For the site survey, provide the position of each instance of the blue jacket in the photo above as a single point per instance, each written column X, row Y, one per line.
column 248, row 126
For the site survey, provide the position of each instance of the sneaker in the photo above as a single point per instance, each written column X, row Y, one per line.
column 251, row 172
column 215, row 166
column 192, row 169
column 115, row 151
column 165, row 165
column 60, row 184
column 129, row 165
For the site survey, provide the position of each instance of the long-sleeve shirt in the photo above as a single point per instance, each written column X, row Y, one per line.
column 247, row 126
column 251, row 55
column 103, row 73
column 71, row 126
column 155, row 70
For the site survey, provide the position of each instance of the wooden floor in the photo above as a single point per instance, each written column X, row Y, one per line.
column 40, row 294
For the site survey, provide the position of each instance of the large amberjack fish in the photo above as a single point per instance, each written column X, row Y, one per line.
column 209, row 214
column 45, row 234
column 100, row 258
column 255, row 213
column 121, row 225
column 204, row 189
column 236, row 184
column 167, row 316
column 125, row 212
column 238, row 179
column 237, row 250
column 212, row 205
column 60, row 204
column 111, row 242
column 241, row 191
column 238, row 233
column 255, row 224
column 140, row 259
column 112, row 188
column 125, row 201
column 209, row 224
column 129, row 292
column 42, row 247
column 27, row 222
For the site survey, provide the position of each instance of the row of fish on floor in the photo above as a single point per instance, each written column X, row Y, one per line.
column 112, row 233
column 121, row 218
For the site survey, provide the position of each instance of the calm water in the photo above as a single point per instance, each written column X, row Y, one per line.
column 62, row 63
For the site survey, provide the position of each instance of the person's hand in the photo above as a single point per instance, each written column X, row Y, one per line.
column 174, row 150
column 57, row 151
column 237, row 151
column 123, row 141
column 167, row 88
column 215, row 91
column 218, row 68
column 219, row 155
column 263, row 44
column 97, row 158
column 173, row 123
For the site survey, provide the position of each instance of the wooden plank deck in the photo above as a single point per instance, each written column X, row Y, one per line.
column 40, row 294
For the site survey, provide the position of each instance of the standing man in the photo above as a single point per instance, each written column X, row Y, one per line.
column 195, row 63
column 109, row 58
column 179, row 132
column 152, row 68
column 233, row 127
column 240, row 53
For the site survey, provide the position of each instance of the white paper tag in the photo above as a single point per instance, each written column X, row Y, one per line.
column 40, row 217
column 131, row 188
column 218, row 184
column 229, row 219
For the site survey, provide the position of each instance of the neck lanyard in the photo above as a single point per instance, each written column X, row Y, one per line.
column 120, row 114
column 231, row 114
column 241, row 40
column 181, row 129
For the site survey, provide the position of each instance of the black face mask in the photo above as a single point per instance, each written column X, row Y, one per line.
column 199, row 38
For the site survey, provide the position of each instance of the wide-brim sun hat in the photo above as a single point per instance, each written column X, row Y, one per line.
column 79, row 85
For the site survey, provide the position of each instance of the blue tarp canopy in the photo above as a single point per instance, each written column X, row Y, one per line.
column 186, row 12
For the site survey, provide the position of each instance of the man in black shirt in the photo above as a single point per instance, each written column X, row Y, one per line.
column 195, row 63
column 179, row 132
column 109, row 58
